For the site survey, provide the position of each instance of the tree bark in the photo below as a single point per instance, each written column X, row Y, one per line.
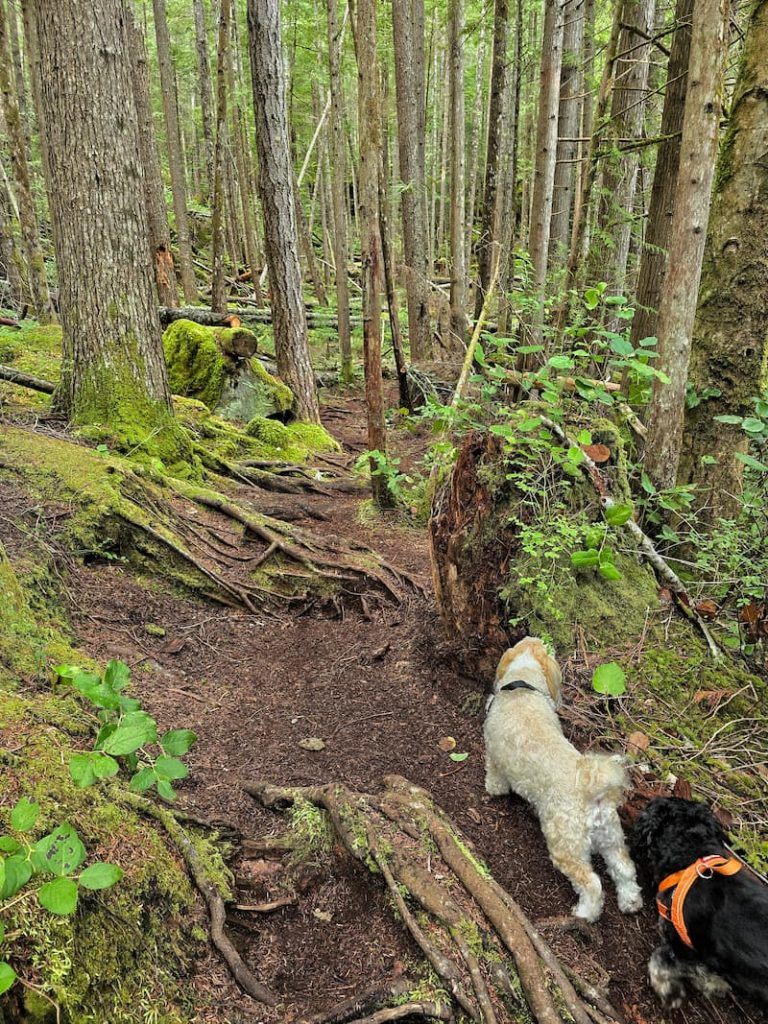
column 17, row 145
column 490, row 214
column 474, row 146
column 154, row 193
column 369, row 120
column 204, row 91
column 113, row 370
column 729, row 361
column 276, row 191
column 546, row 153
column 218, row 282
column 677, row 309
column 569, row 127
column 408, row 34
column 653, row 262
column 175, row 156
column 458, row 255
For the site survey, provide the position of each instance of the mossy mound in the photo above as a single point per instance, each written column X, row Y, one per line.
column 126, row 954
column 200, row 367
column 35, row 349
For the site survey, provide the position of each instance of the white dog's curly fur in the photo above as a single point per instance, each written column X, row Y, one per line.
column 575, row 795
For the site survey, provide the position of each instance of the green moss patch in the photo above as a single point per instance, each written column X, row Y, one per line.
column 196, row 365
column 35, row 349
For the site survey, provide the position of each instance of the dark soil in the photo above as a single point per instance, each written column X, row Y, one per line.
column 380, row 685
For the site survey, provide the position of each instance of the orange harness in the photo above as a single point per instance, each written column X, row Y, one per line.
column 681, row 882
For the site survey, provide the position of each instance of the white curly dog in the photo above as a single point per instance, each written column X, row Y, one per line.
column 575, row 795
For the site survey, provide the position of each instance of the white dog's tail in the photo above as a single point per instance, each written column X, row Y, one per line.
column 603, row 774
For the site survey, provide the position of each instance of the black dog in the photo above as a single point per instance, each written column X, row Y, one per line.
column 724, row 916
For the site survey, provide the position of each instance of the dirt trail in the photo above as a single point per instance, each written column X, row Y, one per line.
column 380, row 686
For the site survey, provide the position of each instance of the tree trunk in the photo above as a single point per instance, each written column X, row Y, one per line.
column 154, row 193
column 569, row 127
column 408, row 34
column 175, row 156
column 276, row 191
column 587, row 110
column 339, row 190
column 730, row 345
column 474, row 146
column 458, row 256
column 113, row 371
column 305, row 239
column 12, row 260
column 204, row 91
column 677, row 309
column 369, row 120
column 653, row 262
column 218, row 282
column 17, row 145
column 546, row 152
column 490, row 214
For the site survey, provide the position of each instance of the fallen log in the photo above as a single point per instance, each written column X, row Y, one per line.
column 26, row 380
column 236, row 317
column 6, row 321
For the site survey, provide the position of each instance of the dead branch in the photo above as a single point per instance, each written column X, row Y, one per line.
column 423, row 1008
column 381, row 991
column 26, row 380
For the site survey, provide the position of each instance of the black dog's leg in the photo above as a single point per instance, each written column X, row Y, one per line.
column 667, row 974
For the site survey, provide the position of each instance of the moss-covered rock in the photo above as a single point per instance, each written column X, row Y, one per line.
column 196, row 365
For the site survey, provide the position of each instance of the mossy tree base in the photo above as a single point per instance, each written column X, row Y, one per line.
column 487, row 960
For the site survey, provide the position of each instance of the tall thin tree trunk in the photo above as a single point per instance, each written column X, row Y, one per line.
column 204, row 91
column 408, row 33
column 218, row 281
column 490, row 213
column 175, row 155
column 546, row 151
column 289, row 317
column 474, row 146
column 458, row 256
column 17, row 145
column 698, row 151
column 12, row 260
column 653, row 261
column 307, row 247
column 569, row 127
column 587, row 114
column 154, row 193
column 339, row 189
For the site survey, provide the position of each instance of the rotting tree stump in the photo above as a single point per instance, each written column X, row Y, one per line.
column 488, row 961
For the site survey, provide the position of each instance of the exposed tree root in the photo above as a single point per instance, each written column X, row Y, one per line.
column 474, row 936
column 210, row 893
column 378, row 993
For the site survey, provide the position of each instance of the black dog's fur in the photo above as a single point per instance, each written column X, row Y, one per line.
column 726, row 917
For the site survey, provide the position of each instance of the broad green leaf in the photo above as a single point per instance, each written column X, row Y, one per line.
column 525, row 350
column 728, row 419
column 752, row 462
column 528, row 424
column 166, row 790
column 584, row 437
column 170, row 768
column 24, row 815
column 18, row 872
column 752, row 425
column 100, row 876
column 614, row 300
column 9, row 845
column 609, row 679
column 117, row 675
column 761, row 408
column 575, row 456
column 458, row 757
column 67, row 671
column 81, row 771
column 142, row 780
column 648, row 342
column 104, row 766
column 560, row 362
column 647, row 484
column 584, row 559
column 501, row 430
column 609, row 571
column 59, row 896
column 177, row 742
column 621, row 346
column 591, row 298
column 7, row 976
column 61, row 852
column 618, row 514
column 134, row 731
column 669, row 534
column 606, row 556
column 594, row 536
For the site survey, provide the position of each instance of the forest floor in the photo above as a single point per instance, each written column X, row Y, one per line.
column 381, row 685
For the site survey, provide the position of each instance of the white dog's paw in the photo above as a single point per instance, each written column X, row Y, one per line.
column 588, row 909
column 630, row 899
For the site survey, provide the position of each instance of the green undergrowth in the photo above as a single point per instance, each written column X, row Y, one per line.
column 35, row 349
column 126, row 955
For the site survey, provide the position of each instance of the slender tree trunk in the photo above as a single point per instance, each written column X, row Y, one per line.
column 307, row 248
column 588, row 105
column 474, row 146
column 154, row 194
column 113, row 372
column 369, row 120
column 218, row 281
column 18, row 71
column 17, row 145
column 339, row 189
column 204, row 91
column 408, row 33
column 490, row 215
column 458, row 256
column 175, row 155
column 276, row 189
column 653, row 261
column 546, row 152
column 569, row 127
column 510, row 213
column 729, row 361
column 677, row 309
column 445, row 148
column 12, row 260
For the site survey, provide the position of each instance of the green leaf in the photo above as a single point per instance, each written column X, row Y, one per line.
column 143, row 780
column 609, row 679
column 7, row 976
column 166, row 790
column 584, row 437
column 708, row 460
column 752, row 425
column 81, row 771
column 2, row 873
column 618, row 514
column 614, row 300
column 528, row 424
column 647, row 484
column 621, row 346
column 609, row 571
column 104, row 766
column 61, row 852
column 18, row 872
column 648, row 342
column 100, row 876
column 117, row 675
column 9, row 845
column 575, row 456
column 458, row 757
column 170, row 768
column 67, row 671
column 728, row 419
column 501, row 430
column 594, row 536
column 177, row 742
column 584, row 559
column 526, row 350
column 591, row 298
column 560, row 362
column 59, row 896
column 24, row 815
column 2, row 931
column 606, row 556
column 669, row 534
column 752, row 462
column 134, row 731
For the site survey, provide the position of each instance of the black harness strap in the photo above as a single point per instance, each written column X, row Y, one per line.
column 517, row 684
